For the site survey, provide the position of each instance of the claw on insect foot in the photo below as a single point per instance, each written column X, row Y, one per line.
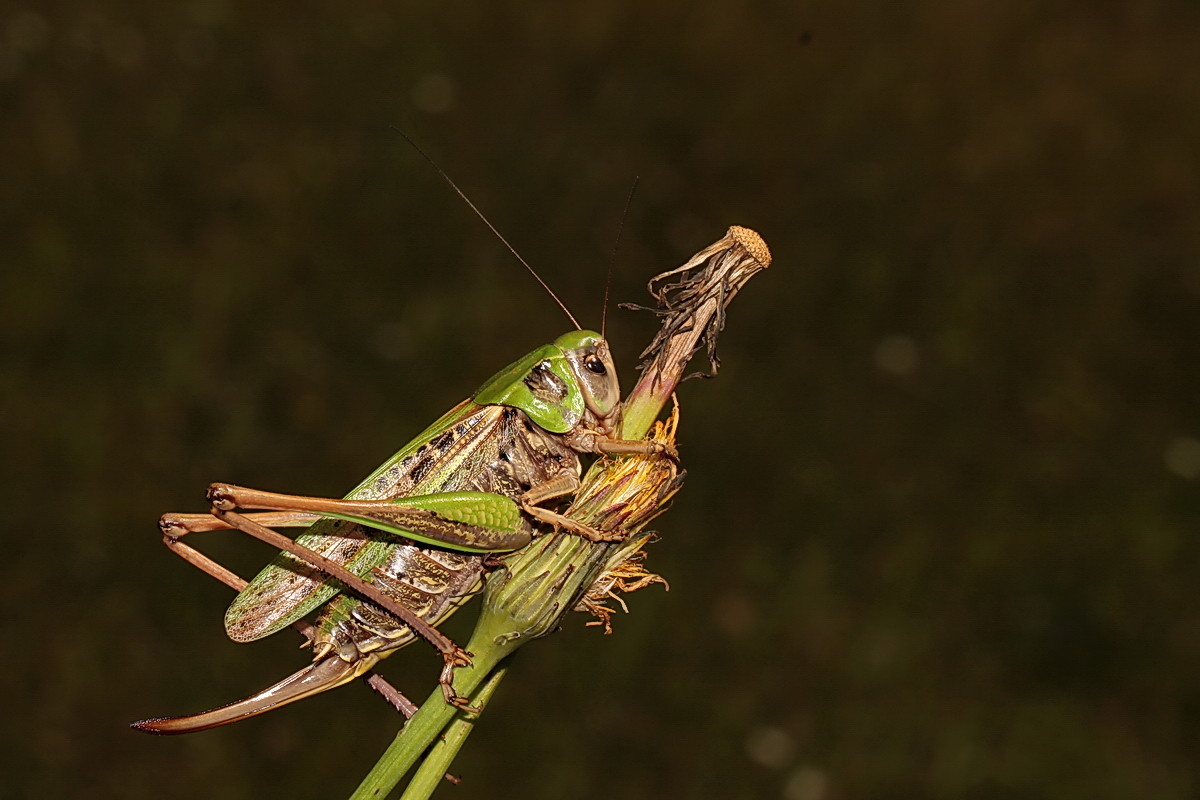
column 460, row 658
column 668, row 450
column 451, row 660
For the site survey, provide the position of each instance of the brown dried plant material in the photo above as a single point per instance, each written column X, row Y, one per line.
column 692, row 300
column 626, row 494
column 701, row 297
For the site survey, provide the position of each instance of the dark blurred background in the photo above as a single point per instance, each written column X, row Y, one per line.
column 940, row 533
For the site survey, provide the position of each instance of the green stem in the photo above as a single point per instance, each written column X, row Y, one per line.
column 433, row 769
column 435, row 714
column 521, row 606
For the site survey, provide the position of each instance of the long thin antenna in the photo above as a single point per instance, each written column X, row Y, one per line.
column 612, row 259
column 488, row 222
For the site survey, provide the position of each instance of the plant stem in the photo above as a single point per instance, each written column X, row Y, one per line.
column 433, row 769
column 435, row 714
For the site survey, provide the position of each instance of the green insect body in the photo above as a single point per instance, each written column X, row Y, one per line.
column 466, row 486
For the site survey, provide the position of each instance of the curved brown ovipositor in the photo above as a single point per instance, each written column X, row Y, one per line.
column 317, row 677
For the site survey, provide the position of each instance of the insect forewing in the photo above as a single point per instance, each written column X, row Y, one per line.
column 287, row 588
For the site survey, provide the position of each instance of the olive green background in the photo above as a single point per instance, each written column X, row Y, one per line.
column 939, row 537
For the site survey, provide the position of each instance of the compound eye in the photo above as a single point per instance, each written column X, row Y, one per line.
column 595, row 364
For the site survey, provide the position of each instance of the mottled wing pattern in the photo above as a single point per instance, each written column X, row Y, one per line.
column 446, row 457
column 434, row 582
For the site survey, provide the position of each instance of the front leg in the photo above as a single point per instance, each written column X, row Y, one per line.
column 567, row 483
column 585, row 441
column 561, row 485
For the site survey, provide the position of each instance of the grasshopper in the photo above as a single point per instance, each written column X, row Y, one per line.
column 408, row 545
column 411, row 543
